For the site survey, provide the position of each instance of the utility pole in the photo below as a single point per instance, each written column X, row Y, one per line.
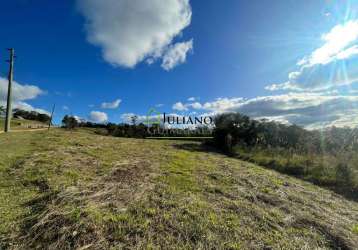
column 9, row 91
column 50, row 123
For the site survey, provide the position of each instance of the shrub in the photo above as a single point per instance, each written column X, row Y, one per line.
column 343, row 175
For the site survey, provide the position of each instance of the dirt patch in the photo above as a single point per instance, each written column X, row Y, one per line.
column 126, row 183
column 129, row 173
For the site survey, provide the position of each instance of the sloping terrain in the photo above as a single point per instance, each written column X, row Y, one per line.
column 22, row 124
column 78, row 190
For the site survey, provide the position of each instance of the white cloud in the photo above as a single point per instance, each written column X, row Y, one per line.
column 127, row 118
column 64, row 107
column 191, row 99
column 179, row 106
column 223, row 104
column 79, row 118
column 282, row 86
column 334, row 64
column 196, row 105
column 28, row 107
column 111, row 105
column 98, row 117
column 20, row 93
column 311, row 110
column 345, row 54
column 131, row 31
column 216, row 106
column 321, row 76
column 338, row 39
column 176, row 54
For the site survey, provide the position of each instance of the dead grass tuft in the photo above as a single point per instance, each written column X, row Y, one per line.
column 75, row 218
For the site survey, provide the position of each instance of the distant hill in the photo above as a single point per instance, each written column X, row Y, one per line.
column 17, row 124
column 77, row 190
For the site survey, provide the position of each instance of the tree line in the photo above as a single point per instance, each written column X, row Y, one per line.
column 327, row 157
column 235, row 129
column 242, row 130
column 134, row 129
column 27, row 115
column 31, row 115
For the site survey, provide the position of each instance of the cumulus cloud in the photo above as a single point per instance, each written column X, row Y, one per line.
column 127, row 118
column 176, row 54
column 79, row 119
column 223, row 104
column 131, row 31
column 218, row 105
column 98, row 117
column 336, row 42
column 111, row 105
column 179, row 106
column 310, row 111
column 28, row 107
column 333, row 64
column 196, row 105
column 191, row 99
column 20, row 93
column 307, row 109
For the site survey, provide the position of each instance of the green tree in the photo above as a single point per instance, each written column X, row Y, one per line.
column 239, row 128
column 70, row 122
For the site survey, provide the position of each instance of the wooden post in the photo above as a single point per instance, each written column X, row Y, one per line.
column 9, row 92
column 50, row 123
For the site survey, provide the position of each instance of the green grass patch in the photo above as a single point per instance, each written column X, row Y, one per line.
column 355, row 229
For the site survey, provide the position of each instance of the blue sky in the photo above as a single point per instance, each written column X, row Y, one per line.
column 103, row 60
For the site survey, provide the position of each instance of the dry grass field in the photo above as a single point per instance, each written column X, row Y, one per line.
column 18, row 124
column 78, row 190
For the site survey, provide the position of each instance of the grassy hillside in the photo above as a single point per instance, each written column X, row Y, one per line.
column 337, row 172
column 64, row 190
column 18, row 124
